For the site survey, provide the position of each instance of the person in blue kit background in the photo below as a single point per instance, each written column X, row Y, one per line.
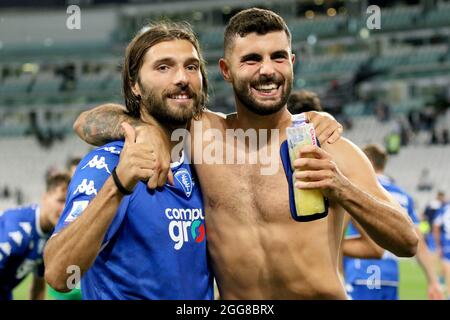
column 128, row 241
column 441, row 232
column 430, row 213
column 377, row 279
column 23, row 234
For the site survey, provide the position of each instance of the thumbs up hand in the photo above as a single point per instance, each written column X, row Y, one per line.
column 137, row 159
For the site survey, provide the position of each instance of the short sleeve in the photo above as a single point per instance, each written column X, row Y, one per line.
column 90, row 176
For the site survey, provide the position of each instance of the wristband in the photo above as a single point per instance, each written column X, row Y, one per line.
column 119, row 184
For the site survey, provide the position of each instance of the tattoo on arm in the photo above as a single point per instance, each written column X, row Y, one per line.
column 102, row 125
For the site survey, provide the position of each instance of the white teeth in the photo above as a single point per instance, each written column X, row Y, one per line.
column 180, row 96
column 267, row 87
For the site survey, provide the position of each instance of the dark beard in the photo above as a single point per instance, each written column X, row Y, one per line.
column 242, row 91
column 157, row 107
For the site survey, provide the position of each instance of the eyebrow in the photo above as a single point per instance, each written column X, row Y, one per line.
column 192, row 60
column 172, row 61
column 163, row 61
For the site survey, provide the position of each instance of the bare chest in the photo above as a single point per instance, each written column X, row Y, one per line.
column 242, row 192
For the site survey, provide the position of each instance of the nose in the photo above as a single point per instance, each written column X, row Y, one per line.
column 181, row 77
column 267, row 69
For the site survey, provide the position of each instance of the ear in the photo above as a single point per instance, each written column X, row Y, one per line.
column 225, row 70
column 136, row 90
column 293, row 58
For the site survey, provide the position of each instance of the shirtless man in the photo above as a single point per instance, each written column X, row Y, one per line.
column 258, row 251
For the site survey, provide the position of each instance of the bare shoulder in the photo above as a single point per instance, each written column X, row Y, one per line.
column 350, row 159
column 212, row 119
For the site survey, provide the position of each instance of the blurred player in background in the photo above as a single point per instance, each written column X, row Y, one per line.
column 23, row 234
column 441, row 232
column 429, row 214
column 72, row 164
column 377, row 279
column 75, row 294
column 303, row 101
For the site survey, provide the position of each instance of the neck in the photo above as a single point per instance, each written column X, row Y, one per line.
column 246, row 119
column 165, row 129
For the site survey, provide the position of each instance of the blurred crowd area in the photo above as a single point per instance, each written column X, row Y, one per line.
column 389, row 85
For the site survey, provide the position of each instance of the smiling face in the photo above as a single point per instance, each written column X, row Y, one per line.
column 170, row 82
column 260, row 68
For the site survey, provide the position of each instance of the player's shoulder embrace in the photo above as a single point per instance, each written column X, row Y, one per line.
column 347, row 156
column 210, row 119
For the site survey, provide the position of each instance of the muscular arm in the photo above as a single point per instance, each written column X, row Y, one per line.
column 38, row 288
column 79, row 243
column 361, row 247
column 344, row 174
column 101, row 125
column 369, row 204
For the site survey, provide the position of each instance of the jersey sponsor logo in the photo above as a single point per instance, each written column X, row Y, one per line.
column 198, row 231
column 185, row 224
column 16, row 236
column 86, row 188
column 98, row 163
column 184, row 178
column 77, row 208
column 26, row 226
column 6, row 248
column 112, row 150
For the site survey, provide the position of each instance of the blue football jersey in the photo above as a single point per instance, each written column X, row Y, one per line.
column 430, row 213
column 155, row 248
column 443, row 221
column 21, row 245
column 364, row 271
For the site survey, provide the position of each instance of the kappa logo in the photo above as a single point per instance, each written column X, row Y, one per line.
column 112, row 150
column 6, row 248
column 184, row 178
column 86, row 188
column 97, row 163
column 16, row 237
column 26, row 226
